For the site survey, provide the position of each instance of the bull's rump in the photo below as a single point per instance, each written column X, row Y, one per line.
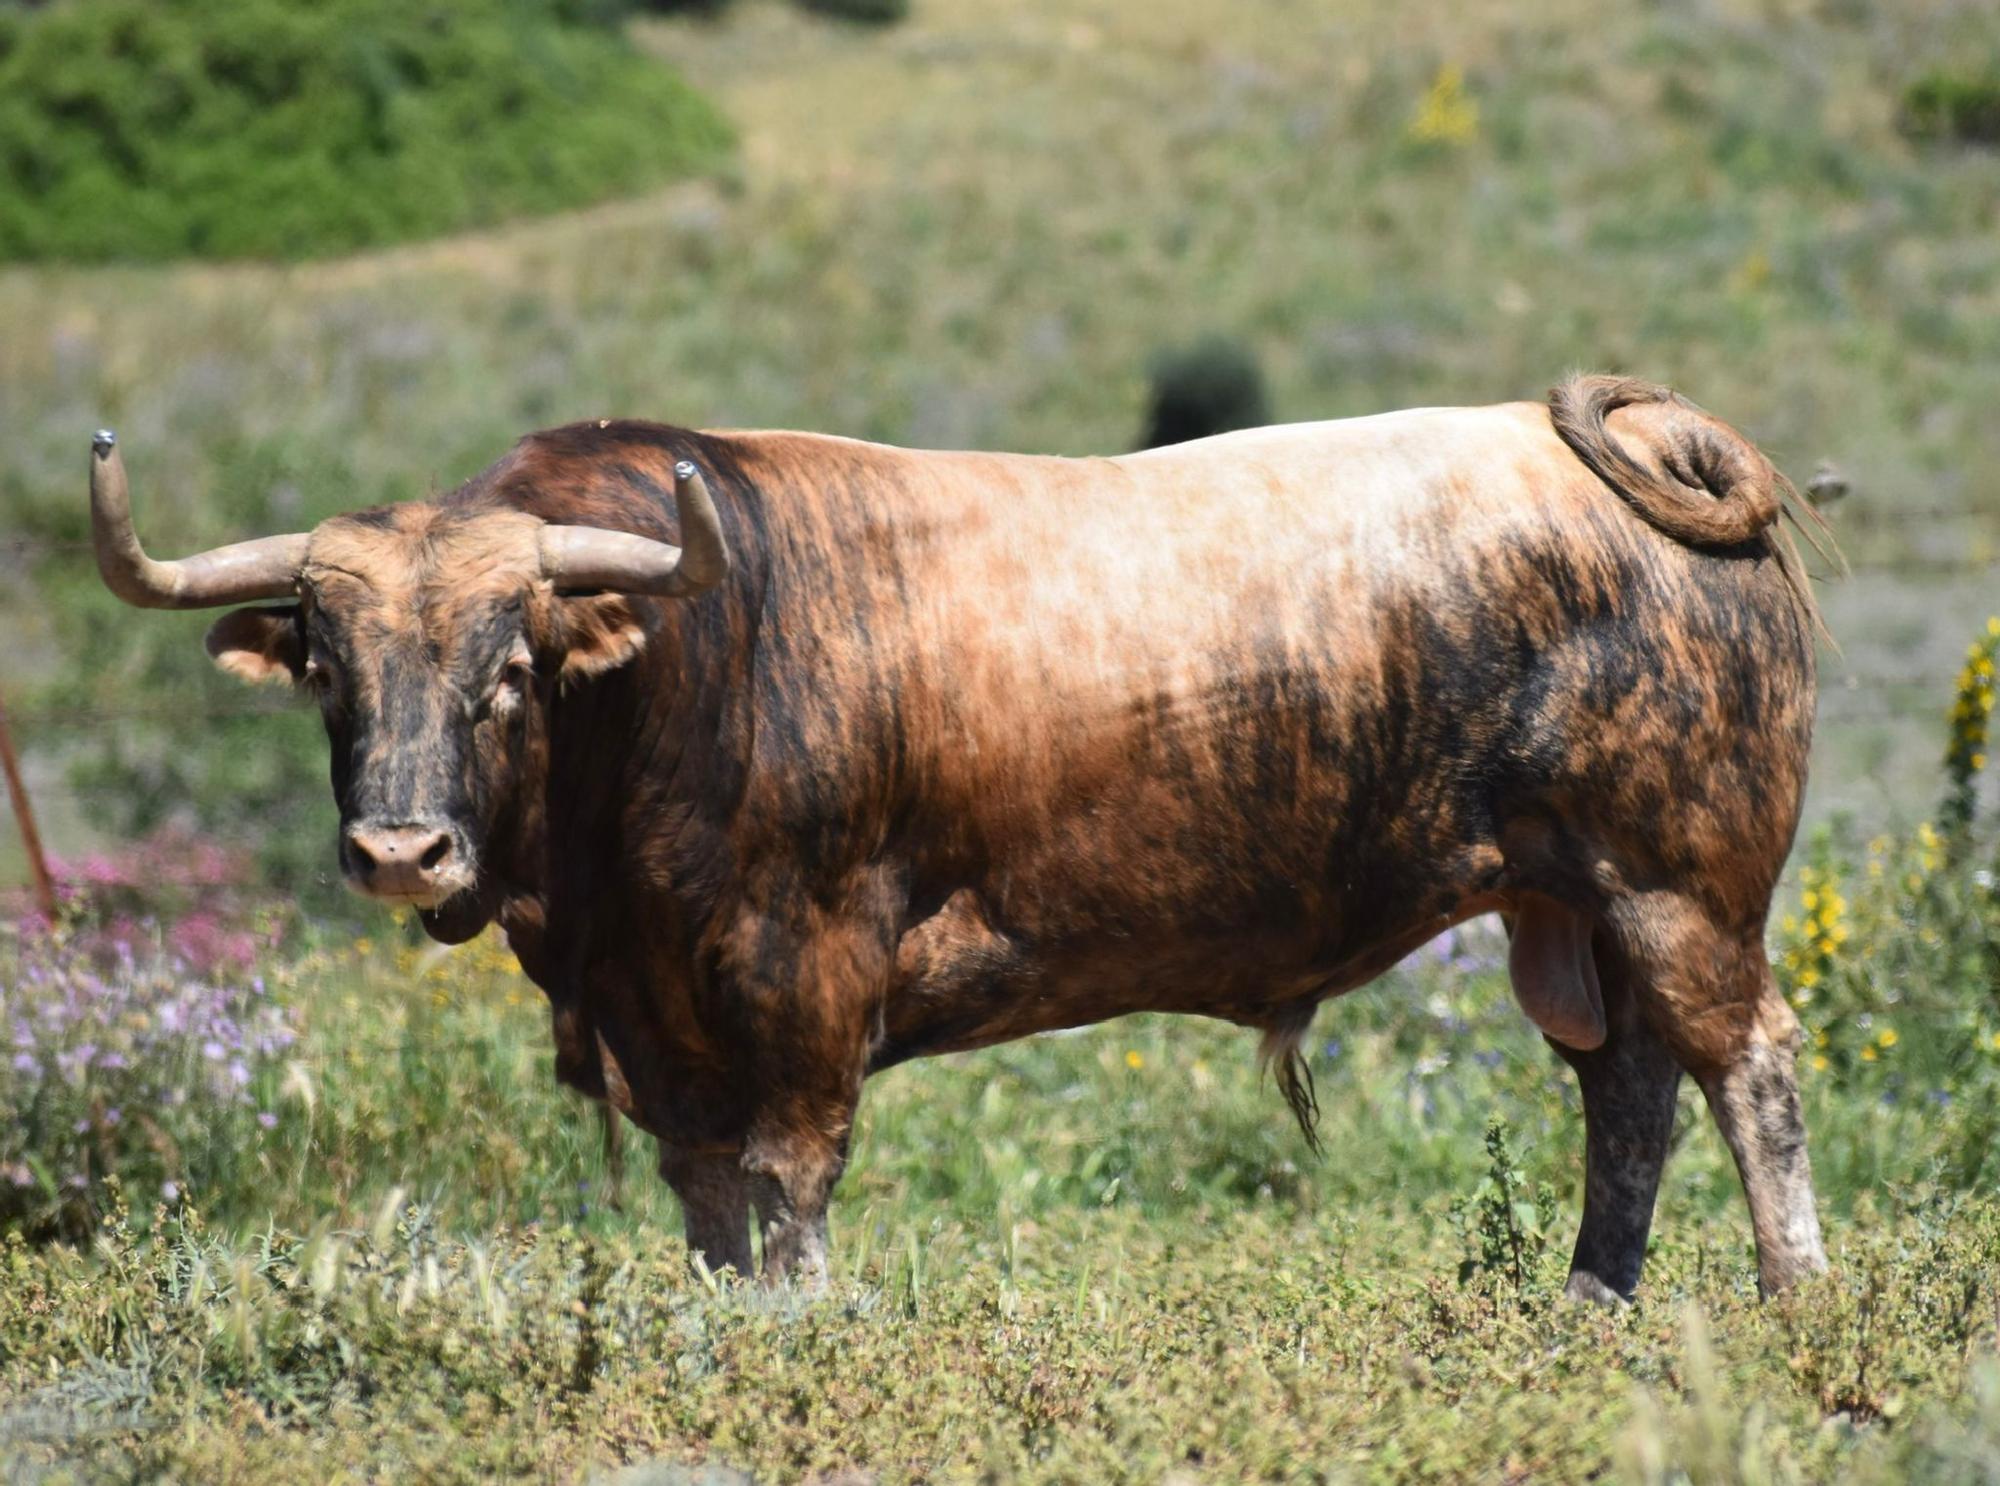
column 1221, row 727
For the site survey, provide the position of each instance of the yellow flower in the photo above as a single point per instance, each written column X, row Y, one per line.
column 364, row 946
column 1133, row 1060
column 1996, row 1042
column 1809, row 977
column 1819, row 1062
column 1809, row 900
column 1446, row 115
column 1888, row 1037
column 1868, row 1053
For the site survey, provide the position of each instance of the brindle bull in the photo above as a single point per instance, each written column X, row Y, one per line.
column 783, row 758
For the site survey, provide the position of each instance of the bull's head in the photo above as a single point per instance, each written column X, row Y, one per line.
column 433, row 637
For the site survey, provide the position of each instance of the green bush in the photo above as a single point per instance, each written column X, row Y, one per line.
column 1210, row 387
column 874, row 12
column 1943, row 106
column 134, row 129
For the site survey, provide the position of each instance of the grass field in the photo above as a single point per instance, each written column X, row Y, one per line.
column 1105, row 1256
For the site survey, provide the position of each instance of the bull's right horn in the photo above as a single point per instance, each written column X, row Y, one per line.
column 265, row 568
column 585, row 558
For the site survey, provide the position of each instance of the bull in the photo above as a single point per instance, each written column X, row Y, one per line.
column 781, row 758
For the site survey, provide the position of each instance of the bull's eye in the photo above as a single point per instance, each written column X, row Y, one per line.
column 512, row 685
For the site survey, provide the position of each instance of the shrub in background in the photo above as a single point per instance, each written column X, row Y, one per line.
column 1942, row 105
column 1210, row 387
column 125, row 1065
column 873, row 12
column 137, row 129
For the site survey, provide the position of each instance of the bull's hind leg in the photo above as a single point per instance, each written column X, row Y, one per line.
column 1710, row 996
column 1755, row 1099
column 1629, row 1084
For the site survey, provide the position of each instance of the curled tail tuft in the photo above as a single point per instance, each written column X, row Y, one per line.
column 1712, row 488
column 1281, row 1053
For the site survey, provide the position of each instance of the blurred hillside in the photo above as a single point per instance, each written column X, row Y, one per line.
column 978, row 227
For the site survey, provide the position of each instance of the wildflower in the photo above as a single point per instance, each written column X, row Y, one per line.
column 1446, row 116
column 1888, row 1037
column 268, row 1120
column 170, row 1190
column 1868, row 1054
column 1819, row 1062
column 1133, row 1060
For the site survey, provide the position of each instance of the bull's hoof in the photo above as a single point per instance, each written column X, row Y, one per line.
column 1587, row 1289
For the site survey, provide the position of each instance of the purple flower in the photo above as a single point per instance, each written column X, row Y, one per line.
column 212, row 1050
column 23, row 1063
column 170, row 1190
column 268, row 1120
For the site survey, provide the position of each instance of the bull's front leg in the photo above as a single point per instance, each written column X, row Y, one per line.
column 810, row 982
column 791, row 1179
column 714, row 1193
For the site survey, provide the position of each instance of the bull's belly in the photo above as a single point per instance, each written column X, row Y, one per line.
column 967, row 978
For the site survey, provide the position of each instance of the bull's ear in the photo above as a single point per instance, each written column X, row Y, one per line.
column 599, row 634
column 258, row 644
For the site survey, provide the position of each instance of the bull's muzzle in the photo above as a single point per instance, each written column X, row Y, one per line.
column 420, row 864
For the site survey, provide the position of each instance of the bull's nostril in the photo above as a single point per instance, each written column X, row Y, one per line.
column 435, row 854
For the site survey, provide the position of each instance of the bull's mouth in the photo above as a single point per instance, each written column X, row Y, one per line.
column 457, row 918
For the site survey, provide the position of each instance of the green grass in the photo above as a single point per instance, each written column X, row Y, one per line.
column 1050, row 1264
column 1098, row 1256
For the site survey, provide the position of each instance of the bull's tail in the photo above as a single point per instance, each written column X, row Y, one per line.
column 1713, row 488
column 1283, row 1055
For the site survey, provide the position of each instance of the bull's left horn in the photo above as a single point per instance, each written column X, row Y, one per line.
column 593, row 557
column 262, row 569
